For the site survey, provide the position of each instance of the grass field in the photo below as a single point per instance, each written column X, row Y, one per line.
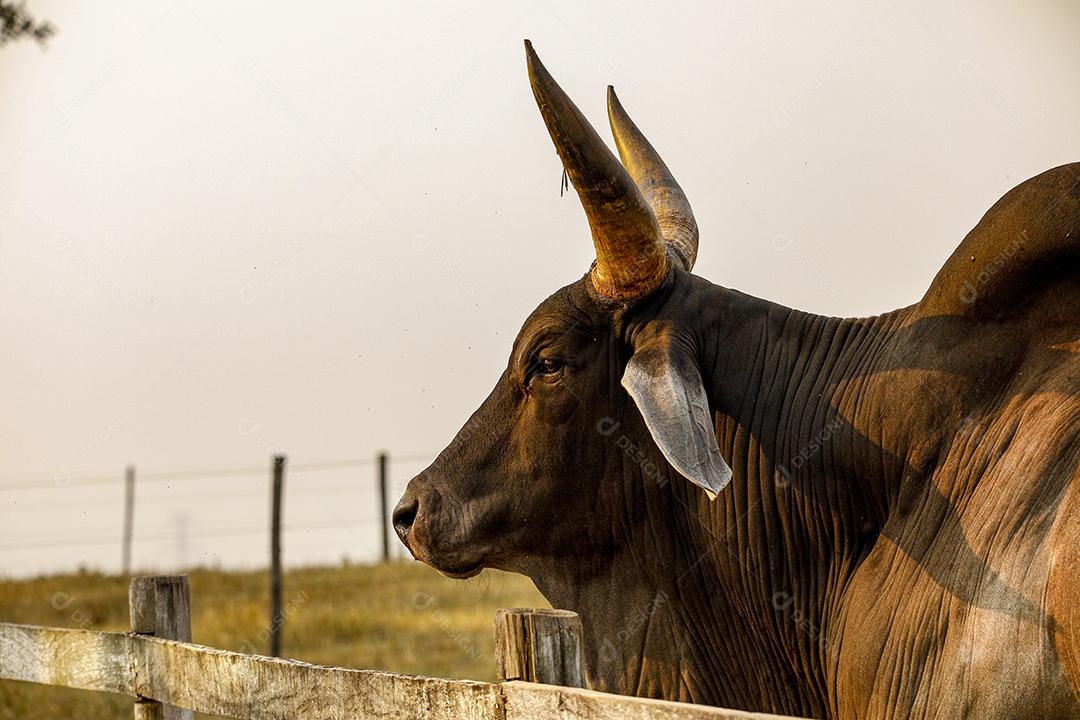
column 402, row 616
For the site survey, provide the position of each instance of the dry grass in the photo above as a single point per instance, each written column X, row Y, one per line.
column 403, row 617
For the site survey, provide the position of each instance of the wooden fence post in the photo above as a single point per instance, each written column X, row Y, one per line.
column 129, row 517
column 384, row 512
column 276, row 617
column 160, row 605
column 542, row 646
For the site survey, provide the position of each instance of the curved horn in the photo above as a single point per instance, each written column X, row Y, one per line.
column 631, row 258
column 654, row 180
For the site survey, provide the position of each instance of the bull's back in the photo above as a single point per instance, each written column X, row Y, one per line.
column 1029, row 237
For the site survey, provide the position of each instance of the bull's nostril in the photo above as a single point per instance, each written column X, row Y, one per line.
column 405, row 515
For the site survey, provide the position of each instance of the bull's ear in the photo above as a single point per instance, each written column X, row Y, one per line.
column 667, row 388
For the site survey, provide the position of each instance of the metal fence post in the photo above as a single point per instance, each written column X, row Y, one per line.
column 129, row 518
column 384, row 511
column 276, row 617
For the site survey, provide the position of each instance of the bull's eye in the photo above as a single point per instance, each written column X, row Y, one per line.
column 548, row 369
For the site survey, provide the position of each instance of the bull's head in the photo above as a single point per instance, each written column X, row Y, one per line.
column 603, row 387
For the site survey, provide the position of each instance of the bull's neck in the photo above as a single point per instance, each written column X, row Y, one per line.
column 810, row 491
column 787, row 388
column 728, row 602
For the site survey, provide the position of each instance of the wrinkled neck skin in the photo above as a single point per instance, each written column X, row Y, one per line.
column 743, row 587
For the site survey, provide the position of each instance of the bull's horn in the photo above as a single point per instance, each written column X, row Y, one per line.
column 654, row 180
column 631, row 258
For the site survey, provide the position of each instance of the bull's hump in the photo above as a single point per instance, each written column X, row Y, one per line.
column 1028, row 240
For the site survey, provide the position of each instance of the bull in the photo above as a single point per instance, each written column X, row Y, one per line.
column 765, row 509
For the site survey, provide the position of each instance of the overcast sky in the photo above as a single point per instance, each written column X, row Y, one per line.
column 228, row 230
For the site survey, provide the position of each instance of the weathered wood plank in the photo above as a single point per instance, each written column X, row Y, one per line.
column 219, row 682
column 230, row 684
column 539, row 645
column 81, row 659
column 532, row 701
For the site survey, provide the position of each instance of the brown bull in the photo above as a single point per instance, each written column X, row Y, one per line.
column 899, row 536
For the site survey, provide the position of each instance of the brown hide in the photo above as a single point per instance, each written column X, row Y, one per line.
column 899, row 537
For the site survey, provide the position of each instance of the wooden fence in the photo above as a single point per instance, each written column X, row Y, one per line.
column 169, row 677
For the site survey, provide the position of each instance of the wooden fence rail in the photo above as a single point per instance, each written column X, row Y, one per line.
column 219, row 682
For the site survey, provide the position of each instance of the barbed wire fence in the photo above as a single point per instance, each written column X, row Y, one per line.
column 328, row 496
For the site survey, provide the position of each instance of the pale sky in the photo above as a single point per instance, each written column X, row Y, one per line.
column 230, row 229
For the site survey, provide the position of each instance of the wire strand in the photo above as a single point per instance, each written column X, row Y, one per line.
column 234, row 532
column 164, row 476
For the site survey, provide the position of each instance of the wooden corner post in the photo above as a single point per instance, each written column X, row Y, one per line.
column 160, row 606
column 542, row 646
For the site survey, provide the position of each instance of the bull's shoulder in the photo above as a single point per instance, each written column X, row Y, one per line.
column 1027, row 242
